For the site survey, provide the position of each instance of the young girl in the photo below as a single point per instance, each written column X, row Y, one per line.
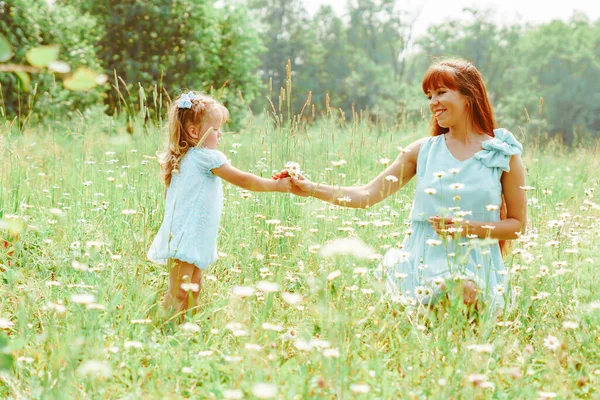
column 191, row 167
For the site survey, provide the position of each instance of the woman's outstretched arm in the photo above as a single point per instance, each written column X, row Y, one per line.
column 388, row 182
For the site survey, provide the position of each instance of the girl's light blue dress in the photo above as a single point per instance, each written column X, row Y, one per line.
column 415, row 272
column 192, row 211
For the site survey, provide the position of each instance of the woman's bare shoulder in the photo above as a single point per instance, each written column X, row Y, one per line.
column 412, row 150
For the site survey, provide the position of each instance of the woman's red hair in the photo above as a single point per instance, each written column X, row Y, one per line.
column 461, row 75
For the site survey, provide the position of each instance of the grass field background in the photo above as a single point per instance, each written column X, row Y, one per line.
column 81, row 200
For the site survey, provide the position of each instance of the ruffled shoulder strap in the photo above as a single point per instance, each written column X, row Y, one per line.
column 497, row 152
column 207, row 159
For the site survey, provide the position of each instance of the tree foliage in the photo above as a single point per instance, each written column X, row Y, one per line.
column 356, row 64
column 536, row 75
column 559, row 63
column 175, row 46
column 540, row 78
column 151, row 49
column 28, row 24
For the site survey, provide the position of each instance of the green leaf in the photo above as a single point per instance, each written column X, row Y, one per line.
column 5, row 49
column 43, row 55
column 6, row 361
column 24, row 79
column 82, row 79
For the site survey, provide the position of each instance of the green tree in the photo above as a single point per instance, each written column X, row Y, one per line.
column 28, row 24
column 358, row 64
column 337, row 58
column 558, row 64
column 288, row 35
column 478, row 39
column 380, row 34
column 536, row 75
column 379, row 29
column 174, row 46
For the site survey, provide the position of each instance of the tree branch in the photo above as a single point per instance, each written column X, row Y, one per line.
column 19, row 68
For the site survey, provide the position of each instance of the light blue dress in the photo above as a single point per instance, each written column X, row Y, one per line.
column 192, row 211
column 451, row 188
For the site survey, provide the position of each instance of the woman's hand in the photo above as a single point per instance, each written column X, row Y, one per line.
column 449, row 226
column 302, row 186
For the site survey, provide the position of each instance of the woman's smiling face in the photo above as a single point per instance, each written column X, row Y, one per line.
column 447, row 106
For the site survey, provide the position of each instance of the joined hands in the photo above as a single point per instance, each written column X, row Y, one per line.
column 299, row 185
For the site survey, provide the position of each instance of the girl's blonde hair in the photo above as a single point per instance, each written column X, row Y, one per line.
column 201, row 110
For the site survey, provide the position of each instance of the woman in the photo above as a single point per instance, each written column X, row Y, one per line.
column 470, row 180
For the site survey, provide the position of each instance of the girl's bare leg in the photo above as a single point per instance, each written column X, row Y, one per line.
column 179, row 298
column 197, row 279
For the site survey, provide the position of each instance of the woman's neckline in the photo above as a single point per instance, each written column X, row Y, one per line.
column 466, row 159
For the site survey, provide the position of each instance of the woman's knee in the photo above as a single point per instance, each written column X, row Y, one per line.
column 470, row 291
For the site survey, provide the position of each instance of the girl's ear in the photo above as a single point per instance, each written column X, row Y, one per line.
column 193, row 132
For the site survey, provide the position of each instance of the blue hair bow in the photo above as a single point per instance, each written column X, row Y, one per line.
column 185, row 100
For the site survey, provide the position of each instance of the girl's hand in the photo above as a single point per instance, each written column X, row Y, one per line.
column 302, row 186
column 283, row 185
column 446, row 226
column 281, row 174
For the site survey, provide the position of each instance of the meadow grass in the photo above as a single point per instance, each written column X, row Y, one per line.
column 81, row 202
